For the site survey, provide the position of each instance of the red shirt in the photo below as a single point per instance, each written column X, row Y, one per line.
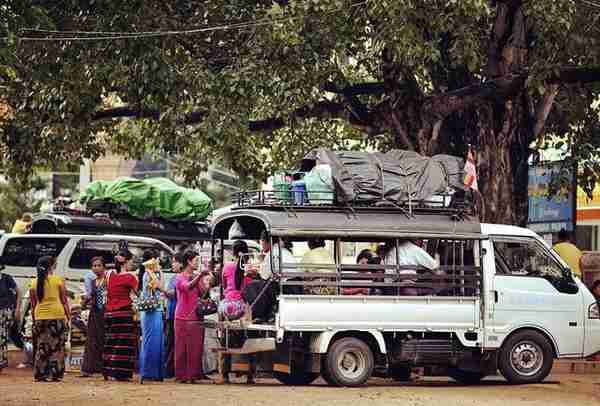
column 119, row 290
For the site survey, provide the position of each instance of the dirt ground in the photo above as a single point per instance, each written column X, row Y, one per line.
column 17, row 389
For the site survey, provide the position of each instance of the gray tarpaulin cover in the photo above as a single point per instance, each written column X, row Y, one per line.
column 396, row 176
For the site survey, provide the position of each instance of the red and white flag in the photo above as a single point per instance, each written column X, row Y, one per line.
column 470, row 180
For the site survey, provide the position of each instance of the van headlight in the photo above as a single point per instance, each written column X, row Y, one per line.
column 594, row 311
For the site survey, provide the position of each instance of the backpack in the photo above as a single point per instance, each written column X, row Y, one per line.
column 262, row 307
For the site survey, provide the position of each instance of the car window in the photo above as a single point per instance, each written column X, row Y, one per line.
column 27, row 251
column 527, row 257
column 107, row 249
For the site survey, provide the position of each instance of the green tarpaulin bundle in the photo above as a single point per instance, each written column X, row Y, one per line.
column 151, row 198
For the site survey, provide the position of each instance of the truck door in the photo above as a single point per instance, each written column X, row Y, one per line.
column 531, row 289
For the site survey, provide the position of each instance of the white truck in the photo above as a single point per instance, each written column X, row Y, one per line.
column 500, row 299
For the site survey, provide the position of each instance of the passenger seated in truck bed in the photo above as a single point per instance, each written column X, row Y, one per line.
column 409, row 253
column 365, row 257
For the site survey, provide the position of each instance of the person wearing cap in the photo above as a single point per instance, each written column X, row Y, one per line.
column 120, row 336
column 23, row 225
column 9, row 312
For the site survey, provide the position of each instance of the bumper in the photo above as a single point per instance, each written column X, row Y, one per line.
column 592, row 338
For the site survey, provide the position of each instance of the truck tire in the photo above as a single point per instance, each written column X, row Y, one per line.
column 349, row 362
column 465, row 377
column 525, row 357
column 297, row 379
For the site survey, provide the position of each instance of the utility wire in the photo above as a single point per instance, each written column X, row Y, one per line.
column 111, row 35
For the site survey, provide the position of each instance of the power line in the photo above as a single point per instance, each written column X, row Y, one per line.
column 115, row 35
column 594, row 4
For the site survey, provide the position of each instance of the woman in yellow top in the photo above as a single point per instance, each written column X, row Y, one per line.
column 50, row 316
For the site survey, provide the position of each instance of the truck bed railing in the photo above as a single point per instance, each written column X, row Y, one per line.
column 444, row 281
column 320, row 200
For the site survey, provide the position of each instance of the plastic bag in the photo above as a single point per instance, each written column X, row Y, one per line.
column 319, row 185
column 236, row 232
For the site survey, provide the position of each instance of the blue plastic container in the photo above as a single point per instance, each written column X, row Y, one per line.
column 298, row 192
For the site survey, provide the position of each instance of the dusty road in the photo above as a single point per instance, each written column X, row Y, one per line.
column 17, row 389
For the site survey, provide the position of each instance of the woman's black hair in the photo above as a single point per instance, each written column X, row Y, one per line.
column 287, row 244
column 264, row 236
column 239, row 248
column 179, row 258
column 364, row 254
column 596, row 284
column 43, row 267
column 98, row 258
column 314, row 243
column 188, row 255
column 122, row 257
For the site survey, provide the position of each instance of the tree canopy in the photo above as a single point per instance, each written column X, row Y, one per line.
column 256, row 84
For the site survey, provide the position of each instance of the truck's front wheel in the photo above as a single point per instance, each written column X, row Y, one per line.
column 297, row 379
column 350, row 362
column 526, row 357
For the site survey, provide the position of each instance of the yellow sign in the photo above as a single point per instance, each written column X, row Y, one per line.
column 584, row 202
column 588, row 209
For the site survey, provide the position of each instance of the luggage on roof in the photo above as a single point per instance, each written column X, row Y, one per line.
column 396, row 176
column 149, row 198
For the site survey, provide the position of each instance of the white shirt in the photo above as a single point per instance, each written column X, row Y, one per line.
column 267, row 269
column 409, row 255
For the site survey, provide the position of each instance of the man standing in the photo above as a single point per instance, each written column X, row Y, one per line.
column 568, row 252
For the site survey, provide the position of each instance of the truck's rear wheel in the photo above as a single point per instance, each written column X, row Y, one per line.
column 299, row 379
column 526, row 357
column 350, row 362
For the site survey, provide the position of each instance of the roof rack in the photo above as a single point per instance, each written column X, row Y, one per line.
column 455, row 205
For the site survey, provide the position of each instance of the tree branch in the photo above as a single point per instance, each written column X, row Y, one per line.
column 576, row 75
column 322, row 109
column 543, row 110
column 433, row 109
column 437, row 107
column 373, row 88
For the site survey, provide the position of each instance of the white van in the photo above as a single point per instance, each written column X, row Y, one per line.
column 20, row 253
column 500, row 299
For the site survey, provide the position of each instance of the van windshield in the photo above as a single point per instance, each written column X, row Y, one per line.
column 527, row 257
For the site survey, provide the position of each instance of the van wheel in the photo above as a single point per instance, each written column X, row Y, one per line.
column 466, row 377
column 350, row 362
column 526, row 357
column 297, row 379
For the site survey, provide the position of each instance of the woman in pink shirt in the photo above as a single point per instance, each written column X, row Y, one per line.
column 189, row 333
column 232, row 307
column 234, row 280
